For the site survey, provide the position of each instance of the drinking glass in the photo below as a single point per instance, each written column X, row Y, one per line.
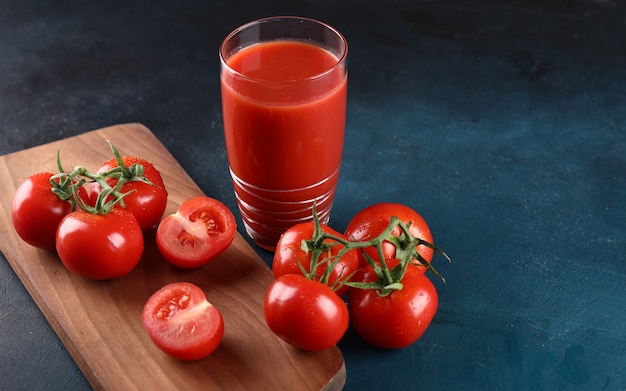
column 284, row 87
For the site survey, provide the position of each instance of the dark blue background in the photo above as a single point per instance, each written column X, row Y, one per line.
column 501, row 122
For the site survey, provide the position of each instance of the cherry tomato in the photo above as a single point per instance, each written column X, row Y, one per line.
column 289, row 255
column 305, row 313
column 36, row 211
column 201, row 229
column 100, row 246
column 373, row 220
column 147, row 202
column 399, row 319
column 182, row 322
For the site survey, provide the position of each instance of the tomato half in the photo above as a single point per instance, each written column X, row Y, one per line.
column 305, row 313
column 399, row 319
column 289, row 255
column 373, row 220
column 201, row 229
column 100, row 246
column 36, row 211
column 182, row 322
column 147, row 202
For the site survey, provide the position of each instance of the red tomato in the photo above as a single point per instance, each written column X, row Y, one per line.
column 305, row 313
column 399, row 319
column 373, row 220
column 36, row 211
column 100, row 246
column 201, row 229
column 181, row 321
column 147, row 202
column 289, row 254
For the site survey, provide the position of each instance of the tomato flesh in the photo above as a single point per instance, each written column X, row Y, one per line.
column 100, row 246
column 305, row 313
column 201, row 229
column 289, row 255
column 373, row 220
column 182, row 322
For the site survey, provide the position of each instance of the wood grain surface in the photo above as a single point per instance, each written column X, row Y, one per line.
column 100, row 322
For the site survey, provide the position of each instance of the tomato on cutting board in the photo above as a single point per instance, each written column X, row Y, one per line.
column 36, row 211
column 146, row 200
column 100, row 246
column 201, row 229
column 182, row 322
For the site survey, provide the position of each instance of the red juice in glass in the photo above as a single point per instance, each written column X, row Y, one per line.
column 284, row 112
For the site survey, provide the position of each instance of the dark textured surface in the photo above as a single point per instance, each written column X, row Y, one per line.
column 502, row 123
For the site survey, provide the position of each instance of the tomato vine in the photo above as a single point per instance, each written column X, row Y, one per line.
column 65, row 185
column 388, row 280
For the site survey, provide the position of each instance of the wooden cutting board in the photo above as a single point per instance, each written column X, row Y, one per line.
column 100, row 322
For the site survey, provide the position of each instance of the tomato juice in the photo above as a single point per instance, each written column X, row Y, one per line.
column 284, row 112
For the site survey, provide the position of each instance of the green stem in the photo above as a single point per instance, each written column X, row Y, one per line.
column 66, row 185
column 388, row 280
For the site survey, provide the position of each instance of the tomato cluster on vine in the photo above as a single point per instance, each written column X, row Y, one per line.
column 378, row 265
column 96, row 221
column 93, row 220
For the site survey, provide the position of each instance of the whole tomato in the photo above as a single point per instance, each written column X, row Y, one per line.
column 182, row 322
column 289, row 255
column 36, row 211
column 398, row 319
column 373, row 220
column 100, row 246
column 146, row 201
column 305, row 313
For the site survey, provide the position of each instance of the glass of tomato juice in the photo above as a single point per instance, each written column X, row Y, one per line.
column 284, row 89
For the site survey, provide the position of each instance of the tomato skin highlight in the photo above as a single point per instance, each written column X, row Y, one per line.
column 147, row 202
column 182, row 322
column 289, row 253
column 36, row 212
column 373, row 220
column 201, row 229
column 305, row 313
column 399, row 319
column 100, row 246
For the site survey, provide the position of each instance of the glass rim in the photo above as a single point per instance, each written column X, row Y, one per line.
column 340, row 59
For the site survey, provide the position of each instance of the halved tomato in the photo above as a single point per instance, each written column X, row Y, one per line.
column 201, row 229
column 182, row 322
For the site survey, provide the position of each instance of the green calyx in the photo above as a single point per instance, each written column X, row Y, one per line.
column 388, row 280
column 66, row 185
column 322, row 243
